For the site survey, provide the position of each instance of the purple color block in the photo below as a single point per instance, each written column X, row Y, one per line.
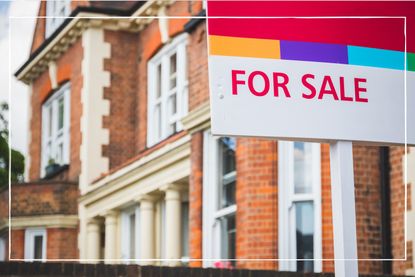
column 311, row 51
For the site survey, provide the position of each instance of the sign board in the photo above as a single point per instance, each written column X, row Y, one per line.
column 313, row 78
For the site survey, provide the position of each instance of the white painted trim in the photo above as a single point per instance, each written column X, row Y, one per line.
column 197, row 119
column 286, row 199
column 94, row 107
column 211, row 213
column 49, row 221
column 163, row 24
column 29, row 243
column 147, row 165
column 53, row 74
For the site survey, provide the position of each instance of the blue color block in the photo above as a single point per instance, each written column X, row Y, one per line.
column 376, row 57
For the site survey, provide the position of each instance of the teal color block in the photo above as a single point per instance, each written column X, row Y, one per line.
column 376, row 57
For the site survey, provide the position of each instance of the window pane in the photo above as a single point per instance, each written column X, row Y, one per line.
column 50, row 121
column 59, row 154
column 132, row 235
column 172, row 102
column 157, row 121
column 185, row 229
column 304, row 218
column 228, row 231
column 38, row 247
column 158, row 81
column 173, row 70
column 60, row 113
column 227, row 148
column 302, row 167
column 228, row 174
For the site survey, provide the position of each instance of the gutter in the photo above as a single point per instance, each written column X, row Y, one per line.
column 384, row 168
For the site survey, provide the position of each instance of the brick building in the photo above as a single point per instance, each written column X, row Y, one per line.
column 122, row 164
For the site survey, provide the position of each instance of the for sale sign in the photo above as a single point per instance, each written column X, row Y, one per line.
column 332, row 77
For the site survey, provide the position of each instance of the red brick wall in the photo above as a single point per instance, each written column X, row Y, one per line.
column 17, row 244
column 39, row 32
column 368, row 207
column 148, row 41
column 198, row 69
column 62, row 243
column 121, row 122
column 196, row 198
column 4, row 200
column 326, row 211
column 31, row 199
column 256, row 198
column 397, row 200
column 68, row 69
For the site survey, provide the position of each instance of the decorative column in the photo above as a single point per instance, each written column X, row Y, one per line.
column 147, row 232
column 173, row 223
column 93, row 239
column 111, row 219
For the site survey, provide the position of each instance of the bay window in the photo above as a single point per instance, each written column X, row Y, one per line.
column 55, row 129
column 56, row 12
column 299, row 199
column 219, row 202
column 167, row 90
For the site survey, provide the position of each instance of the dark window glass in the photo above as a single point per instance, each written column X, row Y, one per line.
column 38, row 247
column 132, row 236
column 304, row 218
column 228, row 171
column 228, row 237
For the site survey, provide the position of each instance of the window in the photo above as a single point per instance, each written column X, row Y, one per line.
column 55, row 129
column 185, row 232
column 2, row 249
column 56, row 11
column 130, row 233
column 299, row 200
column 219, row 213
column 35, row 244
column 167, row 90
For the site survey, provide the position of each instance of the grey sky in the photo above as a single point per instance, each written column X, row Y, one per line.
column 20, row 39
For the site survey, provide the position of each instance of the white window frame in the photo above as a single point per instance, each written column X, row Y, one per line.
column 54, row 15
column 29, row 243
column 57, row 137
column 176, row 46
column 287, row 198
column 211, row 197
column 2, row 249
column 125, row 234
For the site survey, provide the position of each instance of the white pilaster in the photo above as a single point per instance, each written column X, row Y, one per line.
column 94, row 107
column 93, row 239
column 173, row 223
column 147, row 232
column 111, row 221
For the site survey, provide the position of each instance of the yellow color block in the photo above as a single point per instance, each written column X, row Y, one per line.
column 244, row 47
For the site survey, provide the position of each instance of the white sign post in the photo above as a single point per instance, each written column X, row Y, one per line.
column 343, row 209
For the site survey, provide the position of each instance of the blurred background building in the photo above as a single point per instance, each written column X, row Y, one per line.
column 122, row 165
